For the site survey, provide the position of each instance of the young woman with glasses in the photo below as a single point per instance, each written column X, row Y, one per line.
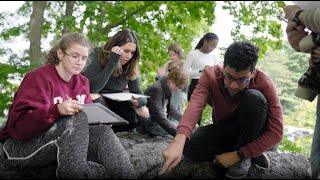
column 47, row 127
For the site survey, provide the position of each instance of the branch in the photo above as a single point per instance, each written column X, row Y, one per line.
column 110, row 26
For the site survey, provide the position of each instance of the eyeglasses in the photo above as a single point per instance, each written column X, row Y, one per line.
column 75, row 58
column 242, row 81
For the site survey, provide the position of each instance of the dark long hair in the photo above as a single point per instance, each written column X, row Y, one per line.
column 120, row 38
column 208, row 37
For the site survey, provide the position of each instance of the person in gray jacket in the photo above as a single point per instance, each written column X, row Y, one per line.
column 113, row 68
column 159, row 103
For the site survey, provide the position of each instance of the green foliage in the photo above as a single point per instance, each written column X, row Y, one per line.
column 206, row 116
column 305, row 145
column 304, row 115
column 257, row 21
column 10, row 73
column 290, row 66
column 2, row 119
column 156, row 23
column 287, row 146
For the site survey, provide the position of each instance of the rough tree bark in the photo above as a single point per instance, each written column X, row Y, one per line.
column 36, row 23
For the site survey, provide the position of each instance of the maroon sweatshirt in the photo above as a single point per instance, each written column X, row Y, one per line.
column 34, row 108
column 224, row 108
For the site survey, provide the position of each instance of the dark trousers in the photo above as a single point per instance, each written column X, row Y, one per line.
column 191, row 88
column 315, row 147
column 229, row 135
column 124, row 109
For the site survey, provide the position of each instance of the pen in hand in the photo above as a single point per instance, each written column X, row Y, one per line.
column 285, row 20
column 68, row 98
column 108, row 52
column 282, row 18
column 134, row 101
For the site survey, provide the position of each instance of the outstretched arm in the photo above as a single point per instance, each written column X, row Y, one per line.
column 173, row 154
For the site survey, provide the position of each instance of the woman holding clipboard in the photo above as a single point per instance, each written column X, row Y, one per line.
column 114, row 67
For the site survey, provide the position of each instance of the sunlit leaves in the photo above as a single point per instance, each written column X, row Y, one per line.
column 259, row 17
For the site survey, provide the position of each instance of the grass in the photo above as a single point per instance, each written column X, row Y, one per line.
column 2, row 119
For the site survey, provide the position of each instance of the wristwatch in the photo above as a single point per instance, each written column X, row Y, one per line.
column 240, row 155
column 296, row 18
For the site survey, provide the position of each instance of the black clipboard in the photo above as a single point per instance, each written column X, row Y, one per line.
column 99, row 114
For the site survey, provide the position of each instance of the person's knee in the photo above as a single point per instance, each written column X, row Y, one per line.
column 81, row 116
column 67, row 121
column 143, row 112
column 254, row 97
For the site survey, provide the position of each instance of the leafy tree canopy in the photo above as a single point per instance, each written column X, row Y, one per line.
column 156, row 23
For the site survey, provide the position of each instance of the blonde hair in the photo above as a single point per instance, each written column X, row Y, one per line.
column 179, row 77
column 177, row 49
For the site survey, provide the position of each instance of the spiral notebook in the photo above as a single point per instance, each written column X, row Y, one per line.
column 99, row 114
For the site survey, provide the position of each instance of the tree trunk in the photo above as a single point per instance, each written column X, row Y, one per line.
column 69, row 11
column 36, row 23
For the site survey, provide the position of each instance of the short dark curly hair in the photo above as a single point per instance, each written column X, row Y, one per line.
column 241, row 55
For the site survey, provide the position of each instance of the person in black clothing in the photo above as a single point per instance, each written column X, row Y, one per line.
column 113, row 68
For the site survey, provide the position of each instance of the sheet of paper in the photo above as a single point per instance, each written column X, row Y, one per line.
column 123, row 96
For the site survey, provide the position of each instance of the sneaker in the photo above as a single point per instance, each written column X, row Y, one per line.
column 261, row 160
column 239, row 170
